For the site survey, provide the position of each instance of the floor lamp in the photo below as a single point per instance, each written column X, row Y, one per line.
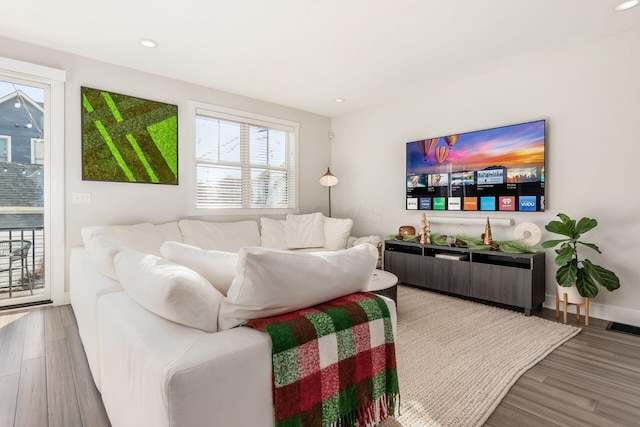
column 329, row 180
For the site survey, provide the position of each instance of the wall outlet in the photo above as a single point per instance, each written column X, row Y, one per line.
column 81, row 198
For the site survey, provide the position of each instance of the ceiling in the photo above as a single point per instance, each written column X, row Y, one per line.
column 305, row 53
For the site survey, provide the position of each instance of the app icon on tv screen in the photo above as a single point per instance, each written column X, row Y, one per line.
column 527, row 203
column 439, row 203
column 454, row 203
column 487, row 203
column 470, row 203
column 507, row 203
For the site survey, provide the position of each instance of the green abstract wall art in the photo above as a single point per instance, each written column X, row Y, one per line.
column 128, row 139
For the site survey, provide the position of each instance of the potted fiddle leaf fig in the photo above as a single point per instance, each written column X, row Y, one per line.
column 574, row 269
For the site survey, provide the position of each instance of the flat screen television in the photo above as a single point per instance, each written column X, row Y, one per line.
column 498, row 169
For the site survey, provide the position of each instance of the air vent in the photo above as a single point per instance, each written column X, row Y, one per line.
column 621, row 327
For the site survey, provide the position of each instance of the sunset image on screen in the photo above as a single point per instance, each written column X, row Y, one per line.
column 507, row 147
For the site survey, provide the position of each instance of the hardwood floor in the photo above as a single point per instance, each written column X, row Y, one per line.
column 44, row 374
column 591, row 380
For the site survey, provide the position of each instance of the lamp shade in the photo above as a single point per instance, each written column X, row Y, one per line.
column 328, row 179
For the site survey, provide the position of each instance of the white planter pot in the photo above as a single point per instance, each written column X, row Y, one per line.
column 573, row 296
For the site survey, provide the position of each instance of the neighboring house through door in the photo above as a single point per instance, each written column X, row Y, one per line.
column 21, row 179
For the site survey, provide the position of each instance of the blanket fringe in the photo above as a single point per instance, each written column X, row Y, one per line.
column 371, row 414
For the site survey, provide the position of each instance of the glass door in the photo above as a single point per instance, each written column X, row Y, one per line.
column 23, row 169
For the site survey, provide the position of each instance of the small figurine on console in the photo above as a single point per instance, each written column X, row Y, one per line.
column 427, row 239
column 486, row 237
column 425, row 230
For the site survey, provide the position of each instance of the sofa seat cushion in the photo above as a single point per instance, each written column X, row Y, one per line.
column 215, row 266
column 220, row 236
column 271, row 281
column 170, row 290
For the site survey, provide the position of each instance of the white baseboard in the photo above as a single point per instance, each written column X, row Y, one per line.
column 602, row 311
column 67, row 299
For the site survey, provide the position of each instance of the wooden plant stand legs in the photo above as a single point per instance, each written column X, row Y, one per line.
column 565, row 304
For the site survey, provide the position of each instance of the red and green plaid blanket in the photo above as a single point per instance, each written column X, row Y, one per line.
column 334, row 364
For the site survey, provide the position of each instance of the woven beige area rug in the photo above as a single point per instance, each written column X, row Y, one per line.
column 457, row 359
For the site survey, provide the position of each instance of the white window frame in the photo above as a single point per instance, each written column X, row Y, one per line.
column 34, row 141
column 8, row 139
column 53, row 81
column 225, row 113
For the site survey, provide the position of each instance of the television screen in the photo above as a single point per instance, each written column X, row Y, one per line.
column 499, row 169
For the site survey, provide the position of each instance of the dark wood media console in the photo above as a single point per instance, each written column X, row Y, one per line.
column 516, row 280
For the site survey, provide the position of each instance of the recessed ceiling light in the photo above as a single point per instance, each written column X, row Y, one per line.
column 339, row 100
column 626, row 5
column 148, row 43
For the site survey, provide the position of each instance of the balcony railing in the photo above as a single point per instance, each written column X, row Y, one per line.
column 35, row 235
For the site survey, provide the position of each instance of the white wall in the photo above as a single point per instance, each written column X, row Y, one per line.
column 590, row 95
column 126, row 203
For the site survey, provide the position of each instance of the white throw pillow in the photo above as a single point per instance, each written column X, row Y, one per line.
column 272, row 233
column 143, row 237
column 169, row 290
column 304, row 231
column 215, row 266
column 270, row 281
column 336, row 233
column 220, row 236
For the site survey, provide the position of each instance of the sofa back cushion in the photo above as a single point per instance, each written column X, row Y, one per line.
column 304, row 231
column 103, row 245
column 337, row 232
column 104, row 242
column 220, row 236
column 169, row 290
column 170, row 231
column 272, row 233
column 144, row 237
column 270, row 281
column 215, row 266
column 88, row 232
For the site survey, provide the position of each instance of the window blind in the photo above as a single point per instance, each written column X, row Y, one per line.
column 244, row 162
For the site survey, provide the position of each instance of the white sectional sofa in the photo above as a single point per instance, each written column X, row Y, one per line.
column 155, row 371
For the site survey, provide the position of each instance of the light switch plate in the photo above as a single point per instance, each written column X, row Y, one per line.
column 81, row 199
